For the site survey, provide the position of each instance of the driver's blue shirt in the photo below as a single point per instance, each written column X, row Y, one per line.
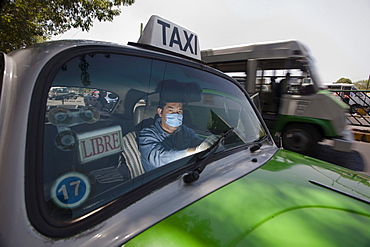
column 158, row 147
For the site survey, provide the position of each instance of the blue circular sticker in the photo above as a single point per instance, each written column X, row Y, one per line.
column 70, row 190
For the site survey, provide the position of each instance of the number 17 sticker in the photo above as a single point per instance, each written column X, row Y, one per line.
column 70, row 190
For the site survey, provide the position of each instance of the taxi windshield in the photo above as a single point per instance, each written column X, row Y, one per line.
column 123, row 119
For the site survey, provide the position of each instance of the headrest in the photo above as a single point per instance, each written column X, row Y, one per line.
column 142, row 113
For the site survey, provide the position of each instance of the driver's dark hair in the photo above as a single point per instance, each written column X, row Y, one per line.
column 162, row 103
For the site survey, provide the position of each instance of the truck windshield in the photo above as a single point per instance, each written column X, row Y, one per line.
column 314, row 74
column 295, row 73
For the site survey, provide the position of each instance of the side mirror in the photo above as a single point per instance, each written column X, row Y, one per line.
column 278, row 140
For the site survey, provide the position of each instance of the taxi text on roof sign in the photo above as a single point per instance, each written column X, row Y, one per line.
column 167, row 35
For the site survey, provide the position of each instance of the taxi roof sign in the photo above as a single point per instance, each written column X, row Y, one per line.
column 164, row 34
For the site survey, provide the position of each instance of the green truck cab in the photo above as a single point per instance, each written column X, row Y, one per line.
column 284, row 83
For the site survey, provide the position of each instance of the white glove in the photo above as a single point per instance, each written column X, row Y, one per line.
column 207, row 143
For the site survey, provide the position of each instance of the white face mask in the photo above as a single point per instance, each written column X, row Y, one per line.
column 174, row 119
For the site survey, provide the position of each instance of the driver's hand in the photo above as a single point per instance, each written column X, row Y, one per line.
column 207, row 143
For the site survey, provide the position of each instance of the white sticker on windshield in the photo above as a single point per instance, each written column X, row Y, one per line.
column 99, row 143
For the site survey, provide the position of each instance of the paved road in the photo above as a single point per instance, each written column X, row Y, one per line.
column 358, row 159
column 359, row 120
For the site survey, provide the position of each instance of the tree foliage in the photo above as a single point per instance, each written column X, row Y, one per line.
column 363, row 84
column 25, row 22
column 344, row 80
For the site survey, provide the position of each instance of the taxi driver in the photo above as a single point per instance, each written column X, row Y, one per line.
column 168, row 139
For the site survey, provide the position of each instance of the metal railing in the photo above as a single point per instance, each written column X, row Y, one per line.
column 359, row 103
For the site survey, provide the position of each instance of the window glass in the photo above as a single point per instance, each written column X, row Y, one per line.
column 101, row 107
column 89, row 109
column 218, row 96
column 270, row 76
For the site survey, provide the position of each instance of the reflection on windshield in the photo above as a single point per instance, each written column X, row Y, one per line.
column 75, row 97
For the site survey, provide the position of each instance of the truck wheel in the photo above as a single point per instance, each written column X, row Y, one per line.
column 301, row 138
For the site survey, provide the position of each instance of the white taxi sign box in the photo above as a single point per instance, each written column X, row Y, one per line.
column 100, row 143
column 167, row 35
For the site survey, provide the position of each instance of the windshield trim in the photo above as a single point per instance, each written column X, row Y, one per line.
column 2, row 71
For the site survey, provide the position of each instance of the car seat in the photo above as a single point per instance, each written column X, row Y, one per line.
column 143, row 116
column 131, row 154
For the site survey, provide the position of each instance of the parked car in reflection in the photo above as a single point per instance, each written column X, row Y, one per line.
column 104, row 100
column 58, row 93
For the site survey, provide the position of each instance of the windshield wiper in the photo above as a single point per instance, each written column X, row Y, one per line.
column 194, row 174
column 257, row 144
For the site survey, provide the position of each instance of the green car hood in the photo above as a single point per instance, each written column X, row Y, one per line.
column 292, row 200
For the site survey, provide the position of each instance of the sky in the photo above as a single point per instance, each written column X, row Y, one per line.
column 337, row 32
